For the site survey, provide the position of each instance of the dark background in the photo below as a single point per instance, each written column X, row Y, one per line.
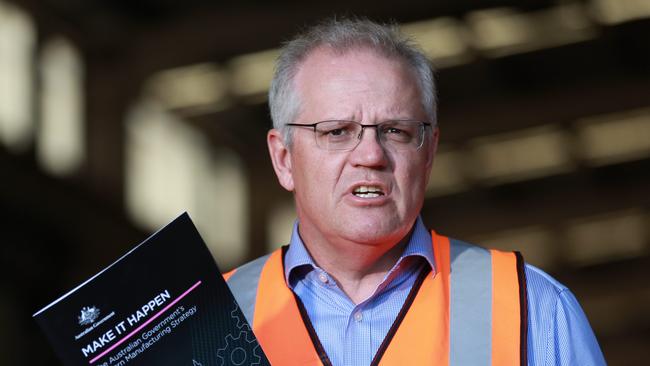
column 545, row 145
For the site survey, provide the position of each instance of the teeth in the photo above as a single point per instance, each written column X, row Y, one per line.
column 367, row 195
column 368, row 191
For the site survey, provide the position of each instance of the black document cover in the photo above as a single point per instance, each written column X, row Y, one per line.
column 163, row 303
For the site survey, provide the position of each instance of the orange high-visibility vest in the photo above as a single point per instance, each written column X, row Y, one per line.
column 471, row 311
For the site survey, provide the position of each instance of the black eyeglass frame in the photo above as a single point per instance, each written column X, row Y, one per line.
column 422, row 124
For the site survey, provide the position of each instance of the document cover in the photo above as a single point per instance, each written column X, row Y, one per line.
column 163, row 303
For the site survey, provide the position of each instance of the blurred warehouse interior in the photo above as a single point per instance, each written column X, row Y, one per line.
column 116, row 116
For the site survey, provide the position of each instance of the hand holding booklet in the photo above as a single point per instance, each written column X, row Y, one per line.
column 163, row 303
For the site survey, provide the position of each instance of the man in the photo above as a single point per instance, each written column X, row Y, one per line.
column 363, row 281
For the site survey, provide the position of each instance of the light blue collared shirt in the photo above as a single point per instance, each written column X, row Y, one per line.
column 559, row 333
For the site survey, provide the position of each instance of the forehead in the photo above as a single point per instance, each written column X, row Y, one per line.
column 358, row 83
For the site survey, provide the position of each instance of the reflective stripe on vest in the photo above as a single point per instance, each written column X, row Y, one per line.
column 469, row 312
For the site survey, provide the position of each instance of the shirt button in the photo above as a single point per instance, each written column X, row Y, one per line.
column 322, row 277
column 358, row 316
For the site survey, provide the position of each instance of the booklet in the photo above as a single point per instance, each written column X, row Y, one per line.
column 163, row 303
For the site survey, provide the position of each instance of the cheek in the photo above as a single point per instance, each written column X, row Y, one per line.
column 413, row 179
column 327, row 169
column 316, row 177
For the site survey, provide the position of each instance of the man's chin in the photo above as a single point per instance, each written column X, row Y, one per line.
column 376, row 235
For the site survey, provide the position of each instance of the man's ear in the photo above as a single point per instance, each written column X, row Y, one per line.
column 432, row 148
column 281, row 158
column 431, row 153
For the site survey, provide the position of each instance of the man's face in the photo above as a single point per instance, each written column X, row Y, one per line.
column 364, row 87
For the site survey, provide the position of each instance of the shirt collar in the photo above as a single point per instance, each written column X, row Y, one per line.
column 419, row 244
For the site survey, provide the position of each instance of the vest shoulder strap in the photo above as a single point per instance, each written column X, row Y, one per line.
column 470, row 311
column 243, row 283
column 484, row 282
column 261, row 291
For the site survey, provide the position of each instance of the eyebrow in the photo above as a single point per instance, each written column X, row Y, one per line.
column 377, row 121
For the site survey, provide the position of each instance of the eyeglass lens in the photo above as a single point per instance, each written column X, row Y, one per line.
column 344, row 135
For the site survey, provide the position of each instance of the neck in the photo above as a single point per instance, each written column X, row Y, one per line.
column 358, row 268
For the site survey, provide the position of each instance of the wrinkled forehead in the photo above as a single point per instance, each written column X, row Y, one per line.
column 360, row 80
column 329, row 53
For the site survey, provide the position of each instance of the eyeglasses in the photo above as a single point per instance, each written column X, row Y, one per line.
column 346, row 135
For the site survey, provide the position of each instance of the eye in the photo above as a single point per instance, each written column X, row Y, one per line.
column 335, row 129
column 336, row 132
column 392, row 130
column 401, row 132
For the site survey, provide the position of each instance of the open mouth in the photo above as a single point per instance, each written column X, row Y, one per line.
column 368, row 191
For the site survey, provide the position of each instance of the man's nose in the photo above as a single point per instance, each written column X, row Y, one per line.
column 369, row 150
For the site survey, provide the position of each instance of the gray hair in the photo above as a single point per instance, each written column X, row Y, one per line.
column 343, row 35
